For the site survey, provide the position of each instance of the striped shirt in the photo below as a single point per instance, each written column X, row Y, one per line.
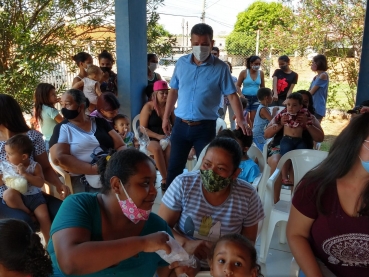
column 201, row 220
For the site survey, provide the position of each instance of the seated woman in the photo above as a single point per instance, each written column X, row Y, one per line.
column 327, row 230
column 21, row 251
column 113, row 232
column 206, row 204
column 78, row 139
column 11, row 124
column 151, row 117
column 309, row 135
column 107, row 107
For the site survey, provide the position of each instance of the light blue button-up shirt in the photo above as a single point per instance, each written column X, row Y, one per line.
column 200, row 87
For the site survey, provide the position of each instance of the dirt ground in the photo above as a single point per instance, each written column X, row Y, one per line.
column 333, row 124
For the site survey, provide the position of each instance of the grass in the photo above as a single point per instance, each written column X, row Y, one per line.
column 340, row 96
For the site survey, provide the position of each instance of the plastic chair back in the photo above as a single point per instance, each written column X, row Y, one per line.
column 200, row 158
column 221, row 125
column 302, row 162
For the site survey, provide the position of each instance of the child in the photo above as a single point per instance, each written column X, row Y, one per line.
column 292, row 129
column 262, row 116
column 91, row 86
column 45, row 114
column 250, row 170
column 18, row 149
column 244, row 104
column 234, row 255
column 122, row 126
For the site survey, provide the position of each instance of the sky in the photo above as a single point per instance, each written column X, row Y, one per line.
column 220, row 14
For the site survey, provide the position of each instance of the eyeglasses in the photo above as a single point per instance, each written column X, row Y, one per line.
column 163, row 92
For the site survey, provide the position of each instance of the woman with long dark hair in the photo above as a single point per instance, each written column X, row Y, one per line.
column 109, row 83
column 251, row 79
column 328, row 227
column 13, row 123
column 45, row 114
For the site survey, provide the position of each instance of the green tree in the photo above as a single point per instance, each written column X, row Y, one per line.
column 334, row 28
column 271, row 19
column 36, row 35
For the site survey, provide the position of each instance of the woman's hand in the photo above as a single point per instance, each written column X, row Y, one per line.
column 157, row 241
column 199, row 248
column 63, row 191
column 166, row 126
column 188, row 270
column 284, row 119
column 302, row 119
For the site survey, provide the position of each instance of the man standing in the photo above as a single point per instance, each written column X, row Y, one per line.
column 198, row 82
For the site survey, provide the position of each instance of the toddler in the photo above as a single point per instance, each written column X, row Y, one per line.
column 91, row 86
column 262, row 116
column 18, row 150
column 250, row 170
column 292, row 129
column 234, row 255
column 122, row 126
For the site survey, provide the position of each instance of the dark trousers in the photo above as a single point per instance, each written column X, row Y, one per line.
column 183, row 137
column 52, row 203
column 291, row 143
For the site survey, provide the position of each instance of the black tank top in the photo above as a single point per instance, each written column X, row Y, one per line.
column 153, row 80
column 155, row 124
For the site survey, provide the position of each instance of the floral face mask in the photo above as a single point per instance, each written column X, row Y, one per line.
column 130, row 209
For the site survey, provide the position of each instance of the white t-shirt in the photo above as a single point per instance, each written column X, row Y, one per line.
column 89, row 90
column 83, row 144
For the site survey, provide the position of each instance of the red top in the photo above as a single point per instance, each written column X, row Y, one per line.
column 340, row 241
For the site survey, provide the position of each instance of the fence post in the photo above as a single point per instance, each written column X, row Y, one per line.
column 363, row 82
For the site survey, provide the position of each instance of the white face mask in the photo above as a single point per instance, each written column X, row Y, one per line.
column 255, row 67
column 201, row 53
column 153, row 66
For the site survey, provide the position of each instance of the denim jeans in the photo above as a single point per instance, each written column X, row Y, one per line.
column 52, row 203
column 259, row 141
column 291, row 143
column 183, row 137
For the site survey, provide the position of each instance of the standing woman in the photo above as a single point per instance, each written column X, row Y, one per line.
column 251, row 80
column 284, row 80
column 46, row 116
column 319, row 85
column 106, row 62
column 152, row 65
column 83, row 61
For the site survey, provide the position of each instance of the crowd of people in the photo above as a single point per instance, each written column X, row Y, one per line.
column 107, row 227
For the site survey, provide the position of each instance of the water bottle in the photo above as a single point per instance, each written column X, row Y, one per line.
column 143, row 139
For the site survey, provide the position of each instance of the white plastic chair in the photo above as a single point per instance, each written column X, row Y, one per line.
column 220, row 125
column 280, row 108
column 135, row 124
column 302, row 162
column 63, row 173
column 266, row 171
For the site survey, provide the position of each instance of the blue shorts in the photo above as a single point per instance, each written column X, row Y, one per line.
column 33, row 201
column 253, row 103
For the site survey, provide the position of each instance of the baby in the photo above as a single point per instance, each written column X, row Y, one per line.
column 122, row 126
column 292, row 129
column 91, row 86
column 234, row 255
column 18, row 168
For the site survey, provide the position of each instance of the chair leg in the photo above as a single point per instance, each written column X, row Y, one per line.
column 266, row 239
column 282, row 232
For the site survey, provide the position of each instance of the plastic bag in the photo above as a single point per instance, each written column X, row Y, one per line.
column 143, row 139
column 178, row 254
column 12, row 179
column 164, row 143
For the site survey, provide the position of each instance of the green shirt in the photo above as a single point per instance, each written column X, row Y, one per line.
column 82, row 210
column 48, row 122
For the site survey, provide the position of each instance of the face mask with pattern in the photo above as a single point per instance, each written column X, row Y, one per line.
column 214, row 182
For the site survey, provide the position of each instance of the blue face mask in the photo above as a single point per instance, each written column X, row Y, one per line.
column 363, row 163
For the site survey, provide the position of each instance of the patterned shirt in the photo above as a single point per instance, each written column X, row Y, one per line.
column 38, row 149
column 242, row 208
